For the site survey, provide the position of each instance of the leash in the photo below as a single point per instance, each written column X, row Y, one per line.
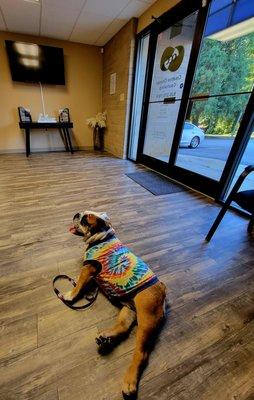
column 90, row 298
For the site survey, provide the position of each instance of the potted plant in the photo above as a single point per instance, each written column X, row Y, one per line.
column 98, row 123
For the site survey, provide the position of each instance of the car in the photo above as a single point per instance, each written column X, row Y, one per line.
column 192, row 136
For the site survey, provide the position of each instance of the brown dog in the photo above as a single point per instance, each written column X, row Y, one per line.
column 125, row 279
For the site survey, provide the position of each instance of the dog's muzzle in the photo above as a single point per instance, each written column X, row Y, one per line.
column 78, row 219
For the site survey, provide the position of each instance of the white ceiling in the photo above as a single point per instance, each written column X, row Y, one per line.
column 85, row 21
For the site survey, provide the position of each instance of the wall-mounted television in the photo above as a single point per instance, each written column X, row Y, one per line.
column 31, row 62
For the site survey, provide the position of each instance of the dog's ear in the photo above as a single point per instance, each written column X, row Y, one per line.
column 91, row 219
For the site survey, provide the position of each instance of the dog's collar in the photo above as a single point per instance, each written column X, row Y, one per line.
column 99, row 235
column 109, row 237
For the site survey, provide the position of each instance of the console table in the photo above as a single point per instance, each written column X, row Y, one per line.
column 63, row 128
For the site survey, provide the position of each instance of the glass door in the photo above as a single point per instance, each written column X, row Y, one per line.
column 198, row 93
column 219, row 97
column 171, row 60
column 247, row 158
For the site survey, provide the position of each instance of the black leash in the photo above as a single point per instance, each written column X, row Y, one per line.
column 89, row 297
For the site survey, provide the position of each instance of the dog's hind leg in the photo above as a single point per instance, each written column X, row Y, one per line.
column 150, row 313
column 107, row 339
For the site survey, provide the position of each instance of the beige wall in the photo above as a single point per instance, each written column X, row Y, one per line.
column 86, row 92
column 82, row 94
column 156, row 9
column 118, row 58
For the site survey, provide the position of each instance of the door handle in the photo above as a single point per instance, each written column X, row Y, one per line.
column 169, row 100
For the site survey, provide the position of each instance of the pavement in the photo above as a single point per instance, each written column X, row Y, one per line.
column 210, row 157
column 212, row 168
column 218, row 149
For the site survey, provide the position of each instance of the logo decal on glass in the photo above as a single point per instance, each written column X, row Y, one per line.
column 172, row 58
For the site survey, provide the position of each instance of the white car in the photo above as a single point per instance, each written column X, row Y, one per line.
column 192, row 136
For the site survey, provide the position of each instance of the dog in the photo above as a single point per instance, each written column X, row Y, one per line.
column 128, row 282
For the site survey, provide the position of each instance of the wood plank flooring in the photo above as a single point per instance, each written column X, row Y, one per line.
column 206, row 348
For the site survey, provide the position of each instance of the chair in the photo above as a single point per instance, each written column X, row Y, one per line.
column 244, row 199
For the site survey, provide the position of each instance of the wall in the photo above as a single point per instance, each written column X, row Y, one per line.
column 82, row 94
column 86, row 91
column 118, row 58
column 156, row 9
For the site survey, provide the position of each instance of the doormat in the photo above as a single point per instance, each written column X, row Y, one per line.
column 156, row 184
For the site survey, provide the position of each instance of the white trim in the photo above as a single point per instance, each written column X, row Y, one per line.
column 235, row 31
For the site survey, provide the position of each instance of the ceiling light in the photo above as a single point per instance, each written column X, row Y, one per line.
column 235, row 31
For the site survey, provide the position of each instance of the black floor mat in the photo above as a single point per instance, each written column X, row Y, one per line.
column 155, row 183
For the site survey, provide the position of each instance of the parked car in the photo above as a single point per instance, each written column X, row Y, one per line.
column 192, row 135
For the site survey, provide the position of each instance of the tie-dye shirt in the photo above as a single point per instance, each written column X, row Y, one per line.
column 122, row 272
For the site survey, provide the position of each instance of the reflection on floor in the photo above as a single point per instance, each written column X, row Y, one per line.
column 205, row 350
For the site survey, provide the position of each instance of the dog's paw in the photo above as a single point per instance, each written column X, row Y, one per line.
column 130, row 386
column 129, row 391
column 69, row 296
column 105, row 344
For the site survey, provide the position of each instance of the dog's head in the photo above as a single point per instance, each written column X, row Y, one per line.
column 91, row 224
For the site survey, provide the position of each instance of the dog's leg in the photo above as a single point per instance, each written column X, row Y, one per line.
column 87, row 273
column 107, row 339
column 150, row 312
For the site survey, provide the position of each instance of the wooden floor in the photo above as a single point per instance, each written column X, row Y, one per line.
column 48, row 352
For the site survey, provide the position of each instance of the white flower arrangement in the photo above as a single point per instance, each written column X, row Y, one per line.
column 98, row 121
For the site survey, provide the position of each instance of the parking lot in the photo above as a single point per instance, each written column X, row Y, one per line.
column 218, row 149
column 210, row 157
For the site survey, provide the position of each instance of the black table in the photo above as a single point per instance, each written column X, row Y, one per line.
column 63, row 128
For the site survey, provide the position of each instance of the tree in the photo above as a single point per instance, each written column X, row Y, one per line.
column 223, row 68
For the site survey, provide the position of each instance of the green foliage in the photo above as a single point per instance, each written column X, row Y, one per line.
column 223, row 68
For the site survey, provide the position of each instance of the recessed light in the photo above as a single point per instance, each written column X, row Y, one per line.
column 33, row 1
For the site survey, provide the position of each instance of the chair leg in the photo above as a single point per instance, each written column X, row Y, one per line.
column 217, row 222
column 251, row 225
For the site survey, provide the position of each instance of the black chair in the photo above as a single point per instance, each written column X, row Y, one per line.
column 244, row 199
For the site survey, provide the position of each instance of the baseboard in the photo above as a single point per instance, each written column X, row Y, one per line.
column 56, row 149
column 44, row 150
column 122, row 157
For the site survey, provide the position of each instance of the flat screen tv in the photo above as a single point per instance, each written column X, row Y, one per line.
column 31, row 62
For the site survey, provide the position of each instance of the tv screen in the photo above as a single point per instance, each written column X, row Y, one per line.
column 31, row 62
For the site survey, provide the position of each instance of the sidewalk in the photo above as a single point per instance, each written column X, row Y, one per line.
column 212, row 168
